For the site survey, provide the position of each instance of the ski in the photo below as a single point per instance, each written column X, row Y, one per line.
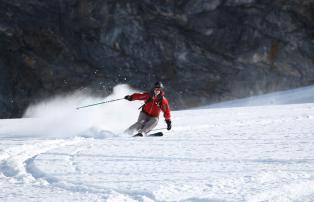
column 138, row 135
column 158, row 134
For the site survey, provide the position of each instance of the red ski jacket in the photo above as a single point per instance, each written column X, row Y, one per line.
column 151, row 106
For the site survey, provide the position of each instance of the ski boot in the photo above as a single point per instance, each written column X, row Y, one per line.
column 138, row 135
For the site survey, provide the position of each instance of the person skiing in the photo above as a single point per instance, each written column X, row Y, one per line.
column 155, row 102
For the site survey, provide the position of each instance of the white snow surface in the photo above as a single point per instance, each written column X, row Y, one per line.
column 225, row 154
column 295, row 96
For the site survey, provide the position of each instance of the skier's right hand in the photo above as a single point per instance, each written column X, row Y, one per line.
column 128, row 97
column 168, row 124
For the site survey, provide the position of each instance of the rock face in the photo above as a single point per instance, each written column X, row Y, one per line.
column 204, row 51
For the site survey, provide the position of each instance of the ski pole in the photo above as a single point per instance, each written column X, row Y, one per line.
column 98, row 103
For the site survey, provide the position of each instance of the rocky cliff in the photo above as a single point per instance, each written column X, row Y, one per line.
column 204, row 51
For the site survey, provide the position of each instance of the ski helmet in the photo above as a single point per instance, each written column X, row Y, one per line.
column 158, row 84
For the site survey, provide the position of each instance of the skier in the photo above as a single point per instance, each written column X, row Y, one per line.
column 149, row 115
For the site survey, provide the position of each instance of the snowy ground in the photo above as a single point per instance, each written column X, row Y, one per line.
column 227, row 154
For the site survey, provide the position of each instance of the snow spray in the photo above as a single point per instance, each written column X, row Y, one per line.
column 58, row 117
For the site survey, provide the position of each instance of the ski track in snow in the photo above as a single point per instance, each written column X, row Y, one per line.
column 16, row 167
column 238, row 154
column 14, row 160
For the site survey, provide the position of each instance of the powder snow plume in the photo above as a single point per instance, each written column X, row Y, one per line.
column 59, row 117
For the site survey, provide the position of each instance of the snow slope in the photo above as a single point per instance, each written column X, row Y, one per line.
column 295, row 96
column 226, row 154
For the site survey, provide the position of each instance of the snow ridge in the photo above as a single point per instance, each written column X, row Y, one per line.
column 15, row 161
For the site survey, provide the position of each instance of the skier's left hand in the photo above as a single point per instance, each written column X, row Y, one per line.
column 168, row 124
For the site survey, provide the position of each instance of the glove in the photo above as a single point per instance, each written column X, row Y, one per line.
column 128, row 97
column 168, row 124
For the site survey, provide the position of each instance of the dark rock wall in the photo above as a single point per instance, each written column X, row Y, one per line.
column 204, row 51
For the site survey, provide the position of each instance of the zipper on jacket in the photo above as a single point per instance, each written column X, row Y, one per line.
column 151, row 108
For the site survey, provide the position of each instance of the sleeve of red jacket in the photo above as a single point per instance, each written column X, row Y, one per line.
column 166, row 109
column 140, row 96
